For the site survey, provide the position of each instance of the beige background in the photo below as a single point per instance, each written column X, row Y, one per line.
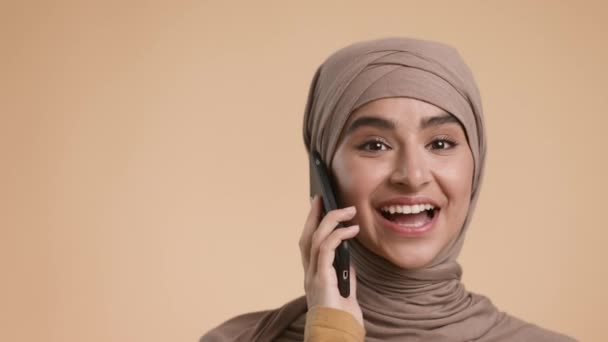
column 153, row 180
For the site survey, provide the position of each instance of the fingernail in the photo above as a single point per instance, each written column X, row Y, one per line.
column 351, row 209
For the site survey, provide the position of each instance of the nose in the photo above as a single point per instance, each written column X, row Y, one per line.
column 410, row 169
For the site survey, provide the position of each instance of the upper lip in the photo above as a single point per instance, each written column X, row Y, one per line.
column 408, row 200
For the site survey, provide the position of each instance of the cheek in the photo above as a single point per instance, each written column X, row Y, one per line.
column 356, row 178
column 455, row 178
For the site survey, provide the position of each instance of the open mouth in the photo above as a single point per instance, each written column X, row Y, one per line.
column 409, row 216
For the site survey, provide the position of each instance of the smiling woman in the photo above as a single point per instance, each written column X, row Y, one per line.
column 406, row 166
column 399, row 123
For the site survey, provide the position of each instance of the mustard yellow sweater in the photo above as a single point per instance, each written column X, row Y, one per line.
column 328, row 324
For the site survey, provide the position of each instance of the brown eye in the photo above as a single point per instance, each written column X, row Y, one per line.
column 442, row 144
column 374, row 145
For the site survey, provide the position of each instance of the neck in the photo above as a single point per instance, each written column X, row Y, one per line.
column 377, row 278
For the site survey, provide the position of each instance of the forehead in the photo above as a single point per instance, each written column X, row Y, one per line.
column 398, row 110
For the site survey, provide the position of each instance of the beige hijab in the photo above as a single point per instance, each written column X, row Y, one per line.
column 429, row 304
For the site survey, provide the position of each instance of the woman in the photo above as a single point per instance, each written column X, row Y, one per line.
column 399, row 123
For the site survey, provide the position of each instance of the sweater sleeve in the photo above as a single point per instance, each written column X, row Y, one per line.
column 328, row 324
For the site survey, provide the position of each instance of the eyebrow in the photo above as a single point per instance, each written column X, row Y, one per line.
column 438, row 120
column 371, row 121
column 384, row 124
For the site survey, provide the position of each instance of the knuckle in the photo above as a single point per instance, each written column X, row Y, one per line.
column 323, row 249
column 316, row 239
column 326, row 247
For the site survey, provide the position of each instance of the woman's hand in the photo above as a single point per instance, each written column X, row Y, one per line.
column 318, row 245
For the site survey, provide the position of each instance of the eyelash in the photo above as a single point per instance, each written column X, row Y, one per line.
column 365, row 145
column 443, row 140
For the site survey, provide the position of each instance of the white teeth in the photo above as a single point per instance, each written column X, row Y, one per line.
column 407, row 209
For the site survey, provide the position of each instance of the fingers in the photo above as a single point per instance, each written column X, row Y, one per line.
column 327, row 225
column 318, row 244
column 311, row 224
column 327, row 249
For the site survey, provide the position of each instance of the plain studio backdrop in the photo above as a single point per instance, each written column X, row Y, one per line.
column 154, row 182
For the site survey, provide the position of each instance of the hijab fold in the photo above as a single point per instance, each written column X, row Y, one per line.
column 428, row 304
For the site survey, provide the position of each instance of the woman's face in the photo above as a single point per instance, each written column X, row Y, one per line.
column 407, row 167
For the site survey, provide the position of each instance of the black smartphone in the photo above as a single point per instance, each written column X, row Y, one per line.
column 321, row 184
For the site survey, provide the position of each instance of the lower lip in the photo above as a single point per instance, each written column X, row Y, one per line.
column 409, row 231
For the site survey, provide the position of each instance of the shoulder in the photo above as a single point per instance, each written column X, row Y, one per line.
column 236, row 328
column 252, row 326
column 509, row 328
